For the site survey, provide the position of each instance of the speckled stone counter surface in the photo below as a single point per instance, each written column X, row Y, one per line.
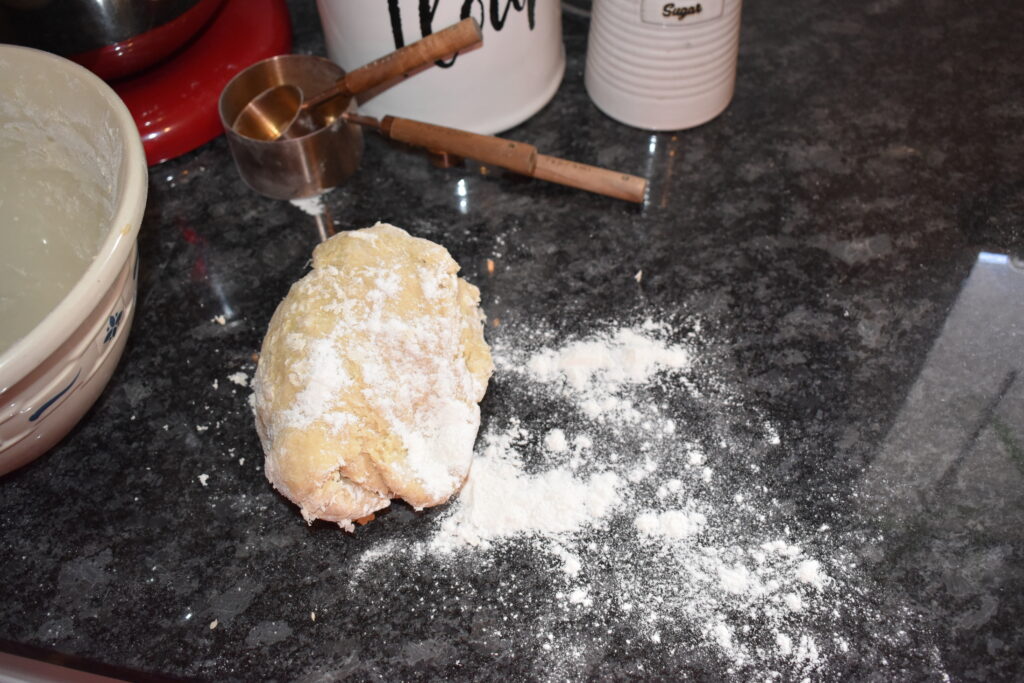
column 843, row 250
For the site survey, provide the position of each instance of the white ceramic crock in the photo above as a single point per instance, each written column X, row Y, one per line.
column 486, row 90
column 51, row 376
column 663, row 65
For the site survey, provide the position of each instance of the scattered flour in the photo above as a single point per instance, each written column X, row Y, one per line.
column 784, row 644
column 734, row 580
column 580, row 596
column 669, row 524
column 809, row 572
column 571, row 564
column 638, row 521
column 239, row 378
column 501, row 500
column 625, row 357
column 555, row 441
column 312, row 206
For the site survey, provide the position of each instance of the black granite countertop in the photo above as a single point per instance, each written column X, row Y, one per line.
column 843, row 248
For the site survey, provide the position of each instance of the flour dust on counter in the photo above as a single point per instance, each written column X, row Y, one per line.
column 618, row 494
column 311, row 206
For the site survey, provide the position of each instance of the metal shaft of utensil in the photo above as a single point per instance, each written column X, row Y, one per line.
column 324, row 224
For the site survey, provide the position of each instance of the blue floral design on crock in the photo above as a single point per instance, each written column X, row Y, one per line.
column 41, row 409
column 112, row 324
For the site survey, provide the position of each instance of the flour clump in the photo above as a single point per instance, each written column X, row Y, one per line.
column 369, row 378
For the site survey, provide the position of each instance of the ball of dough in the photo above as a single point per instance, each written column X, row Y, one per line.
column 369, row 377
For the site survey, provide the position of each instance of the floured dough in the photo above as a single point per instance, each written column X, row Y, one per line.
column 369, row 377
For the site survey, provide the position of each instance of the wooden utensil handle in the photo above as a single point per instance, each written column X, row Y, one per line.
column 591, row 178
column 403, row 60
column 515, row 156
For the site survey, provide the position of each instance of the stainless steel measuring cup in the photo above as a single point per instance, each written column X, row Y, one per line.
column 292, row 168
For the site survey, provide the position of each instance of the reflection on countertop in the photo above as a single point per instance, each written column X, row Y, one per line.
column 947, row 485
column 954, row 433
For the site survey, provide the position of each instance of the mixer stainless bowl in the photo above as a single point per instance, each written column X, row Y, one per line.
column 113, row 38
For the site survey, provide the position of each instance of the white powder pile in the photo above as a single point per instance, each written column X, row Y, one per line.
column 643, row 530
column 500, row 500
column 239, row 378
column 669, row 524
column 312, row 206
column 625, row 357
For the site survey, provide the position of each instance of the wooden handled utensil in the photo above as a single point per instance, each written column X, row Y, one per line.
column 519, row 157
column 270, row 114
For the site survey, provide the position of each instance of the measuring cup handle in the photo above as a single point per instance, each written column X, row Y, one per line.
column 457, row 37
column 591, row 178
column 515, row 156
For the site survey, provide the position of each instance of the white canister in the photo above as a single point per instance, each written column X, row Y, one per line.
column 486, row 90
column 663, row 65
